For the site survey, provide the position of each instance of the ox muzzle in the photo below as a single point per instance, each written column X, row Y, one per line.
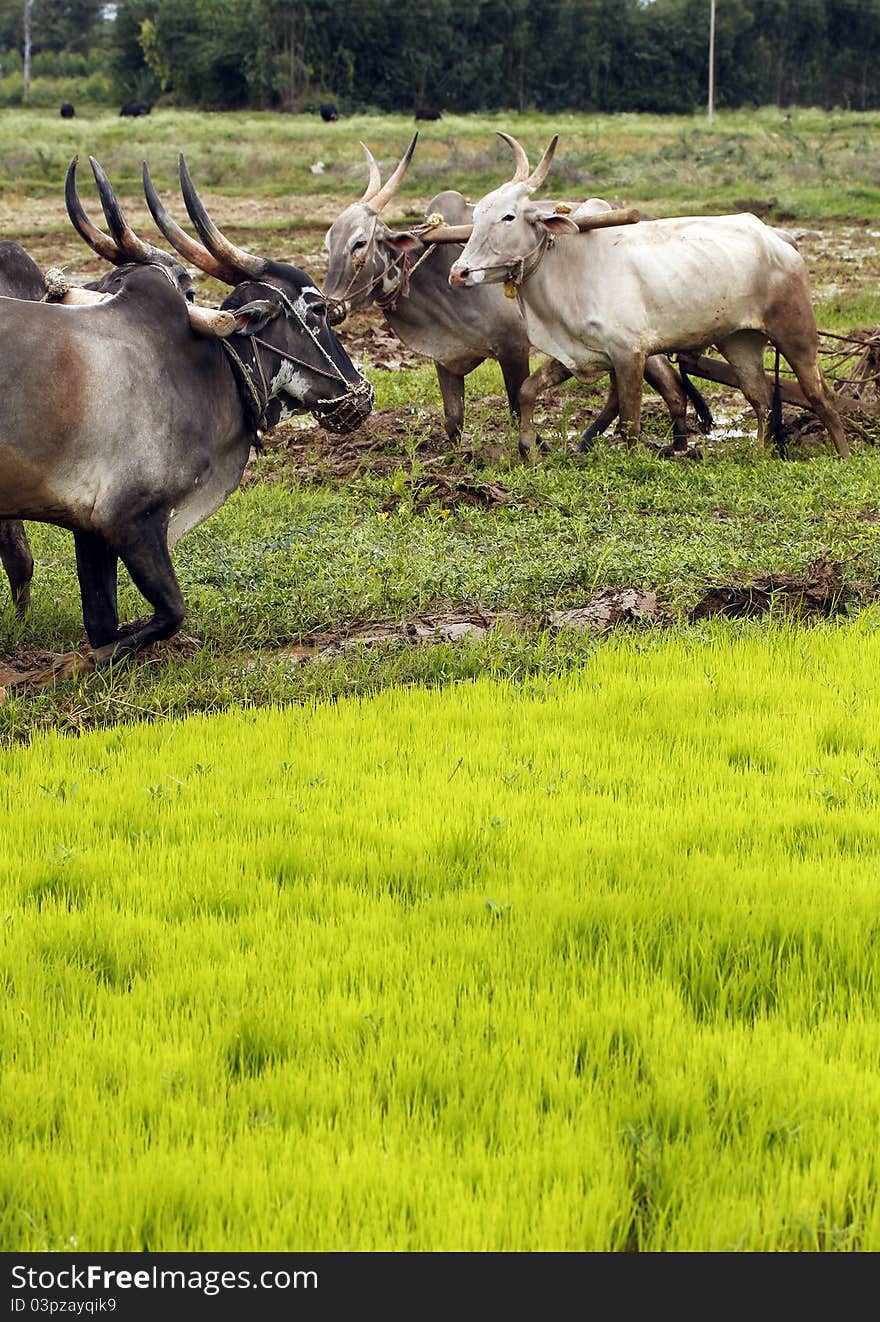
column 347, row 412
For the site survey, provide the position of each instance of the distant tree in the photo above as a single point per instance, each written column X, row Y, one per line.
column 65, row 25
column 129, row 70
column 603, row 55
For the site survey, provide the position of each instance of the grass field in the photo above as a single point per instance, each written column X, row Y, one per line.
column 584, row 965
column 539, row 939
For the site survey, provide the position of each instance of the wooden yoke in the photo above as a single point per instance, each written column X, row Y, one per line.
column 434, row 230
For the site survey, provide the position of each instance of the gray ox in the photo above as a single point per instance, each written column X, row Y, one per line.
column 611, row 298
column 409, row 282
column 21, row 277
column 103, row 423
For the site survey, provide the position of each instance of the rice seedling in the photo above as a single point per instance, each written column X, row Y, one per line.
column 576, row 964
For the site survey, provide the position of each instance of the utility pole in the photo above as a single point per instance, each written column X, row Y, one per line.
column 711, row 59
column 26, row 18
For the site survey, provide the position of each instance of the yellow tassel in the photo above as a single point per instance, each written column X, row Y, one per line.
column 561, row 209
column 509, row 289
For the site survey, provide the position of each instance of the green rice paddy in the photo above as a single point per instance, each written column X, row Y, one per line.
column 577, row 964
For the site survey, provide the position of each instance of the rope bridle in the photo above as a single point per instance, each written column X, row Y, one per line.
column 336, row 413
column 517, row 270
column 386, row 301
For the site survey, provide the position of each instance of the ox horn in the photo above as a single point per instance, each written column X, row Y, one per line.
column 210, row 321
column 521, row 173
column 392, row 183
column 131, row 247
column 375, row 177
column 539, row 174
column 85, row 228
column 218, row 246
column 178, row 238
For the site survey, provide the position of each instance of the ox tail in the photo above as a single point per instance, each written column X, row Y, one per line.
column 776, row 414
column 701, row 408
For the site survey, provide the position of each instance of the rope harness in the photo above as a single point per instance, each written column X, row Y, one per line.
column 342, row 413
column 519, row 270
column 386, row 301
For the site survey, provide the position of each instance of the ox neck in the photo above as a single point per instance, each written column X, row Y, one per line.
column 251, row 386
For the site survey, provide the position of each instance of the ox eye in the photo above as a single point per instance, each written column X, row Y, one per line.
column 510, row 216
column 358, row 243
column 318, row 309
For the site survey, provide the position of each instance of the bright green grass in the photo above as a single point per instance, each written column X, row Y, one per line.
column 585, row 965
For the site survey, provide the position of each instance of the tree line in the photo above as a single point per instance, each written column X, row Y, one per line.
column 460, row 55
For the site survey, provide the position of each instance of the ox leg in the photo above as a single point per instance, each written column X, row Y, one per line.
column 15, row 553
column 96, row 564
column 514, row 369
column 550, row 373
column 660, row 374
column 604, row 418
column 630, row 373
column 452, row 394
column 745, row 353
column 806, row 368
column 146, row 556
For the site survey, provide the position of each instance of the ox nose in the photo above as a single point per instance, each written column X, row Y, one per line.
column 458, row 276
column 337, row 312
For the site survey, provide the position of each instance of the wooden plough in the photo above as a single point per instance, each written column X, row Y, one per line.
column 853, row 374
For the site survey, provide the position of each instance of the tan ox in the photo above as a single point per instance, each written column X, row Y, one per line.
column 611, row 298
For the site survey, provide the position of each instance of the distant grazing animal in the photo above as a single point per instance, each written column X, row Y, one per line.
column 104, row 427
column 428, row 112
column 135, row 108
column 609, row 299
column 395, row 271
column 67, row 111
column 328, row 112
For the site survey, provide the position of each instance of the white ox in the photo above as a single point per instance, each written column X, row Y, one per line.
column 610, row 298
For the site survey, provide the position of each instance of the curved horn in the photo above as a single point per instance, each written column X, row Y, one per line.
column 95, row 238
column 521, row 173
column 218, row 246
column 392, row 183
column 178, row 238
column 134, row 249
column 539, row 174
column 375, row 177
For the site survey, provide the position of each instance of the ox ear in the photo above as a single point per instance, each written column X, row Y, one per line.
column 252, row 317
column 559, row 225
column 402, row 242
